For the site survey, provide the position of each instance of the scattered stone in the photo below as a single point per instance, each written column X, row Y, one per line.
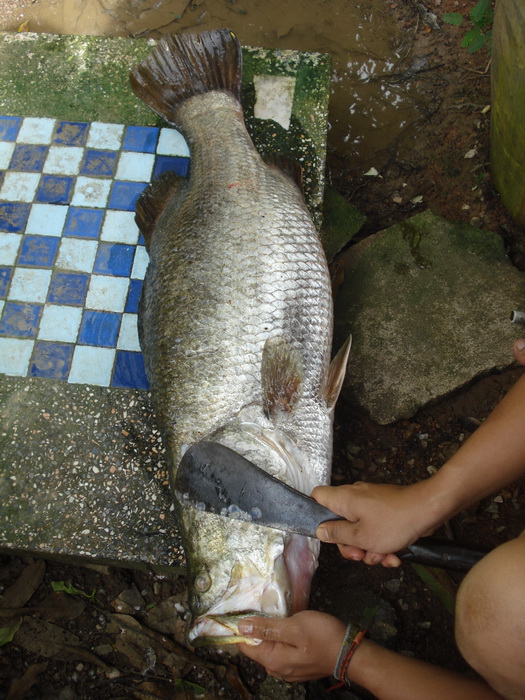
column 421, row 290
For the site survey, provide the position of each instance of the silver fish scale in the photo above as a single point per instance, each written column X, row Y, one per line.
column 237, row 262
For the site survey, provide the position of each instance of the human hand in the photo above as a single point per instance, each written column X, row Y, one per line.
column 298, row 648
column 380, row 519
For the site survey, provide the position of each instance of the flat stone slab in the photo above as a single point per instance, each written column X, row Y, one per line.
column 82, row 472
column 428, row 304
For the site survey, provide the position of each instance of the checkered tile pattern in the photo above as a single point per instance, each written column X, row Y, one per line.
column 72, row 260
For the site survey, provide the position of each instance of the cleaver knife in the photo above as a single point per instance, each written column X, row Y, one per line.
column 218, row 480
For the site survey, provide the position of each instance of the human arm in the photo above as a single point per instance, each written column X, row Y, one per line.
column 305, row 646
column 383, row 518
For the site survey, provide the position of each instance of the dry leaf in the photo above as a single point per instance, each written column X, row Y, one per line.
column 51, row 641
column 21, row 686
column 139, row 644
column 25, row 586
column 60, row 606
column 152, row 691
column 129, row 601
column 166, row 618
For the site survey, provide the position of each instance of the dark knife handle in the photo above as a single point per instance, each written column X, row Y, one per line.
column 427, row 550
column 441, row 553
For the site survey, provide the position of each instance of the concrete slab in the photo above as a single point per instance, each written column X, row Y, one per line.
column 428, row 303
column 81, row 468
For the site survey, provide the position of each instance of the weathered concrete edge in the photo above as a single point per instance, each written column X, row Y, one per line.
column 85, row 78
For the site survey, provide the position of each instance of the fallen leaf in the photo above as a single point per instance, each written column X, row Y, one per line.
column 60, row 606
column 372, row 173
column 8, row 632
column 21, row 686
column 139, row 644
column 471, row 153
column 25, row 586
column 57, row 606
column 166, row 618
column 51, row 641
column 129, row 601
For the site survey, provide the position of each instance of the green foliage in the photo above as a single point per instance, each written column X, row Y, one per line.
column 455, row 18
column 481, row 16
column 7, row 633
column 69, row 588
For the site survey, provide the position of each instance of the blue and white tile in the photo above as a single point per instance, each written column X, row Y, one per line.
column 38, row 251
column 76, row 254
column 71, row 256
column 51, row 360
column 141, row 139
column 84, row 222
column 136, row 167
column 107, row 293
column 29, row 285
column 60, row 323
column 91, row 192
column 63, row 160
column 91, row 365
column 172, row 143
column 6, row 151
column 19, row 187
column 129, row 336
column 120, row 227
column 9, row 246
column 15, row 354
column 105, row 136
column 46, row 219
column 36, row 130
column 140, row 264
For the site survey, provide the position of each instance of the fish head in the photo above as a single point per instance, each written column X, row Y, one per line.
column 235, row 566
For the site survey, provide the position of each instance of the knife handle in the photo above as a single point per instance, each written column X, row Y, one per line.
column 441, row 553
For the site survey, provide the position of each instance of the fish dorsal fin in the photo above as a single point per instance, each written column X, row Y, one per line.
column 281, row 375
column 336, row 373
column 153, row 200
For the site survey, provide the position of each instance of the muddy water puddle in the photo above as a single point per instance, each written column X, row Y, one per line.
column 371, row 108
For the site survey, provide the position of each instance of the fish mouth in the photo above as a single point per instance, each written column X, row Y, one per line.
column 215, row 630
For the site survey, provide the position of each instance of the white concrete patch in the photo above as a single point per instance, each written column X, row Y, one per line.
column 274, row 98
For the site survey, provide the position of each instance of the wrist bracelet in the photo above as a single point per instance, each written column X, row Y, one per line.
column 352, row 639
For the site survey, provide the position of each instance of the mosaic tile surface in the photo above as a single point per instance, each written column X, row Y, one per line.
column 72, row 260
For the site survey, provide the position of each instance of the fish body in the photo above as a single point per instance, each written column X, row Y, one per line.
column 235, row 324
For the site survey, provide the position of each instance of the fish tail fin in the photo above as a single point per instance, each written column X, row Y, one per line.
column 184, row 65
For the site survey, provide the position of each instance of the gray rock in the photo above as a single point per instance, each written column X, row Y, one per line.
column 428, row 303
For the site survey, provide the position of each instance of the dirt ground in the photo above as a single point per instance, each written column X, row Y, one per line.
column 126, row 641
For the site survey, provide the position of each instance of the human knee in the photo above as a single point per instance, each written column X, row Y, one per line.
column 490, row 618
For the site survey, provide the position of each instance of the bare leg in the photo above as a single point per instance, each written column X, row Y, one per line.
column 490, row 618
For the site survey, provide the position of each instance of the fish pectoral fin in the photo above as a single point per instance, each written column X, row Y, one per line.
column 336, row 373
column 153, row 200
column 281, row 375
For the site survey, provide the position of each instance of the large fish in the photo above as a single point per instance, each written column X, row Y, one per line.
column 235, row 325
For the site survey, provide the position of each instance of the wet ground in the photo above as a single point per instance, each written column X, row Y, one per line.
column 409, row 102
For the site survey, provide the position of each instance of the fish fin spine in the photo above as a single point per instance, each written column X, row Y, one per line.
column 336, row 373
column 281, row 375
column 184, row 65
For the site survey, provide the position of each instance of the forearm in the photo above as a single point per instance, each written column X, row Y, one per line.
column 391, row 676
column 491, row 458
